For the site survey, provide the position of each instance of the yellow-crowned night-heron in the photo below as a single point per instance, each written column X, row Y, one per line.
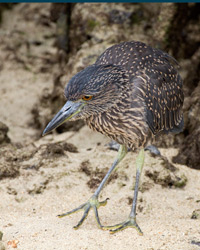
column 132, row 93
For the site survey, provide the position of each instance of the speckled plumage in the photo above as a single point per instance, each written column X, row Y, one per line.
column 131, row 94
column 137, row 94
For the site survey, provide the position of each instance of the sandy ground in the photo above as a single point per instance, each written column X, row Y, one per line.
column 49, row 184
column 164, row 214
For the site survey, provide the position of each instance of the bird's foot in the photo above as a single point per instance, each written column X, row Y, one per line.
column 153, row 150
column 130, row 222
column 92, row 203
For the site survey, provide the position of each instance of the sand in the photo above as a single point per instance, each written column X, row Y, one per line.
column 50, row 183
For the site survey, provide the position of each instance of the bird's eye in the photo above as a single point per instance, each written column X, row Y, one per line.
column 87, row 97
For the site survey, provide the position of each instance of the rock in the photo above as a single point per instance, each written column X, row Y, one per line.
column 3, row 133
column 164, row 173
column 2, row 247
column 1, row 235
column 196, row 214
column 189, row 153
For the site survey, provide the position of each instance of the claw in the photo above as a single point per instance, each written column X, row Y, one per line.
column 92, row 203
column 83, row 218
column 131, row 222
column 72, row 211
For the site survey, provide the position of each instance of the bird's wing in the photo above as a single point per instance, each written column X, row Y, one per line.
column 155, row 73
column 164, row 100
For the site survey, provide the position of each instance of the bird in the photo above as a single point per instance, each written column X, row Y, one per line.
column 133, row 93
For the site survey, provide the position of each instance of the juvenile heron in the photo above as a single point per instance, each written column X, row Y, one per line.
column 132, row 93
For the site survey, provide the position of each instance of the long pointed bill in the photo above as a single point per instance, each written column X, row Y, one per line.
column 67, row 112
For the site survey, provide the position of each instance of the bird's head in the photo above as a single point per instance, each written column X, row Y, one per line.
column 91, row 91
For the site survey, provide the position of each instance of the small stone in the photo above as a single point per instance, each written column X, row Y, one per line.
column 3, row 133
column 196, row 214
column 1, row 235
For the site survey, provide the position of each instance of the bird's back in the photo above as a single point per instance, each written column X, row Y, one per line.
column 152, row 101
column 154, row 73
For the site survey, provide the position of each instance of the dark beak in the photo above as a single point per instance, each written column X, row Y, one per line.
column 67, row 112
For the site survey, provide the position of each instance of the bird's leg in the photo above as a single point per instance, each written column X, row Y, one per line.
column 93, row 201
column 131, row 221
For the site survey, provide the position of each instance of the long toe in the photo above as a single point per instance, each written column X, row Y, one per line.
column 86, row 207
column 130, row 222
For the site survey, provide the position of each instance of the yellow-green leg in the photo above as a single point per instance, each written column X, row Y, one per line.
column 93, row 201
column 131, row 221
